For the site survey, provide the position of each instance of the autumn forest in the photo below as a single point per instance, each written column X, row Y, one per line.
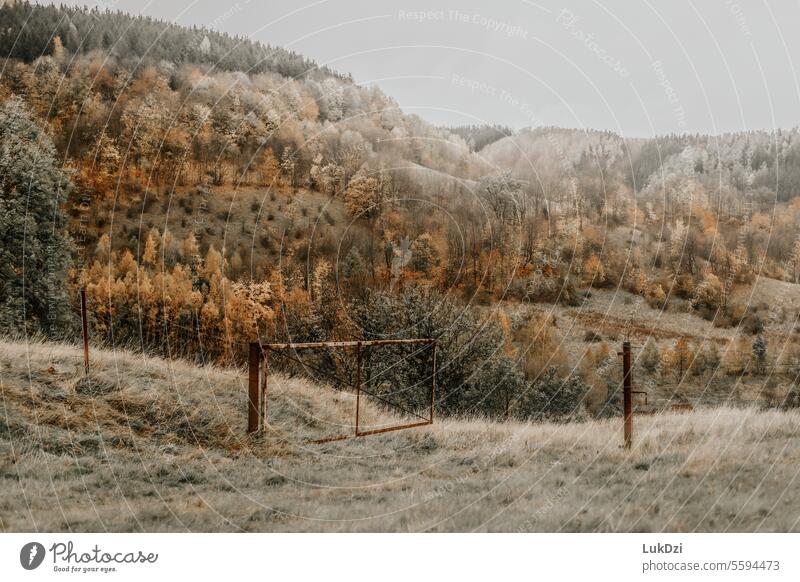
column 207, row 190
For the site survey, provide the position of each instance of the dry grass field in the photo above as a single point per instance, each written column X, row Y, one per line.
column 147, row 444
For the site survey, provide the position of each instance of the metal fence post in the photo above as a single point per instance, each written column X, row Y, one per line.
column 264, row 380
column 433, row 380
column 626, row 393
column 358, row 384
column 85, row 326
column 253, row 387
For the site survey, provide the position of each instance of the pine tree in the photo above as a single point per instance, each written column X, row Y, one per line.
column 34, row 245
column 759, row 354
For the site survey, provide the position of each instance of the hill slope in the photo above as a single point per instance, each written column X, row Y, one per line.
column 149, row 444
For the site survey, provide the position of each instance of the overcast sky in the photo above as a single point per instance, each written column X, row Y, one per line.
column 636, row 68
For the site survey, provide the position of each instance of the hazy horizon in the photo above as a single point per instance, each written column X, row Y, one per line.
column 645, row 71
column 648, row 70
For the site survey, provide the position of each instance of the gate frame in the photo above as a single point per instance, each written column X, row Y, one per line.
column 258, row 373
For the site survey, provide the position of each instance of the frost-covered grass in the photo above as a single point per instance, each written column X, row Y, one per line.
column 156, row 445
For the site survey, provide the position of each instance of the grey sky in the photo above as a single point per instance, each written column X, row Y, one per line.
column 636, row 68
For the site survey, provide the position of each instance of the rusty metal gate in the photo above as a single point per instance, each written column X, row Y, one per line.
column 259, row 370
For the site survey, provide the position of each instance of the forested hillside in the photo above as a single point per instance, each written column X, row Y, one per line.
column 28, row 32
column 207, row 190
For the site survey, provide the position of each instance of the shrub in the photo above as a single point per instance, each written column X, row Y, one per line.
column 707, row 359
column 708, row 294
column 655, row 296
column 752, row 324
column 792, row 399
column 474, row 374
column 650, row 358
column 552, row 398
column 592, row 337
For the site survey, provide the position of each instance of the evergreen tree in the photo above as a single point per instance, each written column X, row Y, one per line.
column 34, row 246
column 474, row 375
column 759, row 354
column 551, row 397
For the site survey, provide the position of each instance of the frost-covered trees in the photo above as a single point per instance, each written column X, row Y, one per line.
column 708, row 294
column 424, row 255
column 362, row 196
column 34, row 245
column 503, row 195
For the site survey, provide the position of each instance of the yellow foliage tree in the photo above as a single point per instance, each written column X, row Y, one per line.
column 361, row 196
column 594, row 273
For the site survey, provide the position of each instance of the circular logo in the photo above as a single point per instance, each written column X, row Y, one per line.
column 31, row 555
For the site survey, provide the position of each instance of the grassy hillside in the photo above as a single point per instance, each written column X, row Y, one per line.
column 266, row 197
column 607, row 316
column 156, row 445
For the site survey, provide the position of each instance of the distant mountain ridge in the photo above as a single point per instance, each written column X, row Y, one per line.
column 28, row 31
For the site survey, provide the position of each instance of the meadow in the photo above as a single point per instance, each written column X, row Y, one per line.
column 148, row 444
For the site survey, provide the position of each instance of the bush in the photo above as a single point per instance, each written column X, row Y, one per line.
column 552, row 398
column 752, row 324
column 792, row 399
column 655, row 296
column 707, row 359
column 708, row 295
column 474, row 375
column 684, row 286
column 592, row 337
column 650, row 358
